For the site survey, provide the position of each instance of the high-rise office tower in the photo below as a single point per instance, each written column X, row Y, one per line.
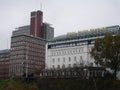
column 36, row 23
column 28, row 48
column 4, row 63
column 27, row 55
column 47, row 32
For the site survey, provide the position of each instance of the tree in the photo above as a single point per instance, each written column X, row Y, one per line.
column 106, row 52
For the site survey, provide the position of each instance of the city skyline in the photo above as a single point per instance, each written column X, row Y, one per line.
column 64, row 15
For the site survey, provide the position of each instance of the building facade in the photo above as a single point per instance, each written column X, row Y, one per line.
column 4, row 64
column 27, row 55
column 36, row 23
column 28, row 46
column 73, row 49
column 23, row 30
column 47, row 32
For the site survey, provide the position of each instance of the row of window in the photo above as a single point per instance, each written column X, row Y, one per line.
column 27, row 43
column 71, row 44
column 30, row 39
column 67, row 59
column 65, row 66
column 69, row 65
column 30, row 48
column 63, row 52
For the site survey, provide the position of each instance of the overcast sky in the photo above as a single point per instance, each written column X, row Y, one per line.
column 64, row 15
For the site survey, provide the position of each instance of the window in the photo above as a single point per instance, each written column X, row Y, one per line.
column 81, row 58
column 82, row 49
column 76, row 51
column 69, row 65
column 57, row 52
column 62, row 52
column 75, row 58
column 73, row 51
column 63, row 66
column 91, row 64
column 74, row 65
column 53, row 60
column 53, row 66
column 58, row 66
column 69, row 59
column 68, row 51
column 58, row 59
column 65, row 52
column 64, row 59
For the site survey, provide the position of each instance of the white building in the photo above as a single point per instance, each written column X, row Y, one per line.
column 74, row 48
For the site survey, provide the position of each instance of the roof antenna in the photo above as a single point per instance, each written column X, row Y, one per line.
column 7, row 43
column 41, row 6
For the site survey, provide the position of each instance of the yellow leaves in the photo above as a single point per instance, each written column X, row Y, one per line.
column 71, row 33
column 107, row 40
column 117, row 40
column 87, row 31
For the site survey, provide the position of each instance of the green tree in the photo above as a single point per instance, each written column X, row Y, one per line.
column 106, row 52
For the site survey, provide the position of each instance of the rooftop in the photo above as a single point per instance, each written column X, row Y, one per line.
column 88, row 33
column 5, row 51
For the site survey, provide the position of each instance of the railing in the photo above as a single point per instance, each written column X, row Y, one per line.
column 81, row 73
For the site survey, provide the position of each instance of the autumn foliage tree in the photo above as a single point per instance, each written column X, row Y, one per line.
column 106, row 52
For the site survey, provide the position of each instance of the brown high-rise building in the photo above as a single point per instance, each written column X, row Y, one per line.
column 27, row 47
column 36, row 23
column 4, row 63
column 27, row 55
column 47, row 31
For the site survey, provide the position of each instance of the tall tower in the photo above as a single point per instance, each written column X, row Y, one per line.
column 36, row 23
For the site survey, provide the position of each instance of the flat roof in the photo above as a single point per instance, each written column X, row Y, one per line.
column 5, row 51
column 88, row 33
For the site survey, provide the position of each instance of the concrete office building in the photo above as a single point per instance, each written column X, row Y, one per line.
column 47, row 32
column 74, row 48
column 23, row 30
column 36, row 28
column 4, row 63
column 27, row 55
column 27, row 47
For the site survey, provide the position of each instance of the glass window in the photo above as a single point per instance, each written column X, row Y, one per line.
column 65, row 52
column 58, row 59
column 69, row 59
column 68, row 52
column 73, row 51
column 53, row 66
column 81, row 58
column 64, row 59
column 91, row 64
column 69, row 65
column 63, row 66
column 53, row 60
column 81, row 49
column 74, row 65
column 75, row 58
column 58, row 66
